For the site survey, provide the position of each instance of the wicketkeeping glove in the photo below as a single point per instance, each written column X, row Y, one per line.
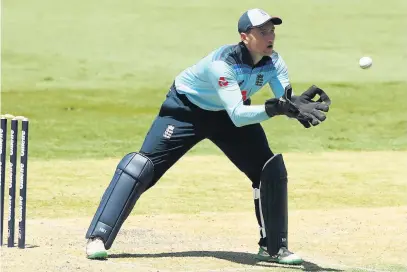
column 311, row 112
column 283, row 105
column 303, row 108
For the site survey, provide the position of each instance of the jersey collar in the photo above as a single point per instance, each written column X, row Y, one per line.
column 247, row 58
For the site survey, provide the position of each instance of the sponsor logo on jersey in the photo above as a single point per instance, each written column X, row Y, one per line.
column 223, row 82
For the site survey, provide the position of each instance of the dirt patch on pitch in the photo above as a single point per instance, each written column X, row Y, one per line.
column 332, row 240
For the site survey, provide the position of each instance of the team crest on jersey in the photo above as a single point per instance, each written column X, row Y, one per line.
column 259, row 80
column 223, row 82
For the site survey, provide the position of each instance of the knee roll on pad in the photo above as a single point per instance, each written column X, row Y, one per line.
column 131, row 178
column 273, row 201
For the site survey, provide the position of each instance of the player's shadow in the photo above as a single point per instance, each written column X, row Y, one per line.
column 236, row 257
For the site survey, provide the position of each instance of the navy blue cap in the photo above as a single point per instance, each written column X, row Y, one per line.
column 254, row 18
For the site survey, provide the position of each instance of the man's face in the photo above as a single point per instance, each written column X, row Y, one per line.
column 260, row 40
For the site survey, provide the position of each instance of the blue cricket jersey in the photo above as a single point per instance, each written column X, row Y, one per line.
column 225, row 78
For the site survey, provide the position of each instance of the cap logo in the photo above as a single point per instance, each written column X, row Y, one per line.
column 257, row 16
column 262, row 12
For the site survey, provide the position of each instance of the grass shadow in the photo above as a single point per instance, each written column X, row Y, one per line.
column 31, row 246
column 16, row 246
column 236, row 257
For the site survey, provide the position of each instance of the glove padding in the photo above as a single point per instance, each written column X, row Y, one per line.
column 283, row 105
column 303, row 108
column 311, row 112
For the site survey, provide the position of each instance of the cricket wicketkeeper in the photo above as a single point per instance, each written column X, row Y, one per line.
column 211, row 100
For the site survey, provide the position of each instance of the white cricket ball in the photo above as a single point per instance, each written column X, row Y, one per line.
column 365, row 62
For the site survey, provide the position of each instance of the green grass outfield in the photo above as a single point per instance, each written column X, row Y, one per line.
column 92, row 75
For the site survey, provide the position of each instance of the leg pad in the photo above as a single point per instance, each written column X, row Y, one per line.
column 133, row 175
column 273, row 201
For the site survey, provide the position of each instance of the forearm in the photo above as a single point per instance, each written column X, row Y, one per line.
column 246, row 115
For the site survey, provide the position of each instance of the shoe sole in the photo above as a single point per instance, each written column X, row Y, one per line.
column 98, row 255
column 291, row 262
column 271, row 260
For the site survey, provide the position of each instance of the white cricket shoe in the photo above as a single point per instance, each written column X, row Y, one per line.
column 283, row 256
column 95, row 249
